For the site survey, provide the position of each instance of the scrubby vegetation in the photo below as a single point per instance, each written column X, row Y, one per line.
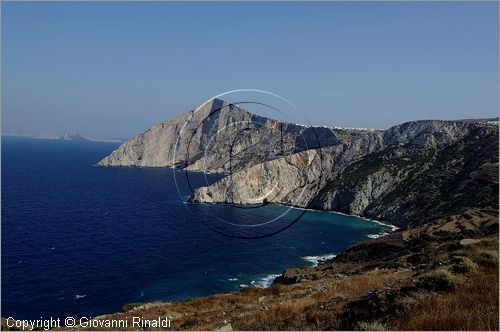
column 131, row 306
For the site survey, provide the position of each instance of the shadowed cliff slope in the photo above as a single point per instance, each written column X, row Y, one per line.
column 410, row 184
column 376, row 181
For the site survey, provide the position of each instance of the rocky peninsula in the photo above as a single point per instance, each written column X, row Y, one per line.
column 405, row 175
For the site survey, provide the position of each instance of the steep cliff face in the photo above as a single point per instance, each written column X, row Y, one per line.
column 291, row 180
column 193, row 136
column 410, row 185
column 372, row 177
column 323, row 178
column 221, row 137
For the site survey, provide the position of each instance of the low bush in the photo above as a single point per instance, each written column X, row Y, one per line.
column 463, row 265
column 487, row 258
column 371, row 326
column 440, row 280
column 190, row 321
column 130, row 306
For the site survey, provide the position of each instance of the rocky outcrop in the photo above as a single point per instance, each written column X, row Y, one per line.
column 322, row 178
column 219, row 137
column 370, row 178
column 412, row 185
column 291, row 180
column 427, row 133
column 196, row 139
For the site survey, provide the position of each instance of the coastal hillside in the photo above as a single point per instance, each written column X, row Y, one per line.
column 410, row 185
column 439, row 272
column 221, row 137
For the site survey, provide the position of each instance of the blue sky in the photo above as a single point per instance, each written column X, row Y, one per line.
column 115, row 69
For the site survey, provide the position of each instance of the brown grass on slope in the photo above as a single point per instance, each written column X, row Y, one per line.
column 472, row 306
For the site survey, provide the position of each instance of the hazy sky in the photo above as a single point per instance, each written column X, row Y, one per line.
column 115, row 69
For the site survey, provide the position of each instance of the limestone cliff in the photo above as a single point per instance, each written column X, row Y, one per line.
column 222, row 137
column 189, row 139
column 409, row 186
column 324, row 178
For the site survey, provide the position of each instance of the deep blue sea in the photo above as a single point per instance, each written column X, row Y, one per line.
column 80, row 240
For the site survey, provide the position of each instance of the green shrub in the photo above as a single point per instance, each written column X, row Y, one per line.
column 371, row 326
column 439, row 280
column 412, row 299
column 487, row 258
column 190, row 321
column 130, row 306
column 463, row 265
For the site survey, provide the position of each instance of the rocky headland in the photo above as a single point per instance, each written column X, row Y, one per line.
column 436, row 180
column 405, row 175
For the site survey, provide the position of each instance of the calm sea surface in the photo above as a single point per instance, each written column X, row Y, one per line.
column 80, row 240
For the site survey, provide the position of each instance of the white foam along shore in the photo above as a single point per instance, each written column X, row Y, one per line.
column 391, row 227
column 316, row 259
column 376, row 236
column 263, row 282
column 268, row 280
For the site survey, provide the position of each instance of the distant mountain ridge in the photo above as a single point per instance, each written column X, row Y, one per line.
column 64, row 137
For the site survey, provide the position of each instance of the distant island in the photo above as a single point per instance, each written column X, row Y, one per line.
column 63, row 137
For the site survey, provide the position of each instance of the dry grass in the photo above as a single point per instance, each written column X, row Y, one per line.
column 371, row 326
column 360, row 284
column 286, row 316
column 461, row 296
column 474, row 306
column 319, row 309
